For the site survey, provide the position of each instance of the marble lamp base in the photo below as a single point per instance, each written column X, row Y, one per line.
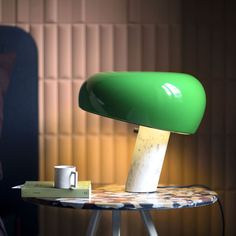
column 148, row 157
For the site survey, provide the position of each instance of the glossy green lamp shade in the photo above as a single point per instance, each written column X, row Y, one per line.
column 169, row 101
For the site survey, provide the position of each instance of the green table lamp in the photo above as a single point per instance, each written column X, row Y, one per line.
column 159, row 102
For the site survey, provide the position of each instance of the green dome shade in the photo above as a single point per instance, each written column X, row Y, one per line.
column 169, row 101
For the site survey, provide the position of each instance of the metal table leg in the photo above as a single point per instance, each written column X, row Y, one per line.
column 93, row 223
column 147, row 219
column 115, row 223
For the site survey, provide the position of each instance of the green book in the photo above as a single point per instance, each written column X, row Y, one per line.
column 46, row 189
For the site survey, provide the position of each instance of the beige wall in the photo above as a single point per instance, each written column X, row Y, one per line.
column 77, row 38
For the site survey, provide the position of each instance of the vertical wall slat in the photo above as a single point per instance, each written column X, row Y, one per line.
column 175, row 159
column 51, row 11
column 93, row 66
column 204, row 164
column 64, row 11
column 93, row 158
column 204, row 52
column 51, row 156
column 51, row 107
column 134, row 11
column 79, row 122
column 8, row 11
column 36, row 30
column 218, row 163
column 120, row 159
column 65, row 107
column 1, row 9
column 22, row 11
column 78, row 11
column 50, row 51
column 230, row 163
column 64, row 51
column 120, row 48
column 217, row 53
column 148, row 47
column 106, row 64
column 107, row 159
column 36, row 12
column 230, row 206
column 41, row 106
column 230, row 109
column 92, row 49
column 42, row 162
column 79, row 50
column 162, row 47
column 176, row 47
column 80, row 155
column 64, row 150
column 106, row 11
column 134, row 48
column 190, row 48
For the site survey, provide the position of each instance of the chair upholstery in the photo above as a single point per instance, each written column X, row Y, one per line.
column 19, row 140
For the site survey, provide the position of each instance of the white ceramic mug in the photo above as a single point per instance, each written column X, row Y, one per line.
column 65, row 177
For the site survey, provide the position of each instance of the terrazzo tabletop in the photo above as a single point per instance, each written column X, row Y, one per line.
column 113, row 197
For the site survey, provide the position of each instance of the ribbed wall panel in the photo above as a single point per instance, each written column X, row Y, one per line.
column 77, row 38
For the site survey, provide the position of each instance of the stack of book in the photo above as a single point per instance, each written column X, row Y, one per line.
column 46, row 189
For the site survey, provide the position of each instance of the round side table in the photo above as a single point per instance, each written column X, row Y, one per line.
column 114, row 198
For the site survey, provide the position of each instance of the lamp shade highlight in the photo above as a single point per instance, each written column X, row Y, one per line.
column 164, row 100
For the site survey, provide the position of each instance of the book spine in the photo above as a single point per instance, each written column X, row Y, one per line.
column 54, row 193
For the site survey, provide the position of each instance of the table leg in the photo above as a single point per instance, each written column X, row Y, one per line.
column 147, row 219
column 115, row 223
column 93, row 223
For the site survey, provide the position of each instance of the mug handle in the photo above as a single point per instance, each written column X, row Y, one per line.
column 74, row 176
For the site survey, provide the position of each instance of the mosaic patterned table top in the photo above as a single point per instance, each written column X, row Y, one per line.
column 112, row 197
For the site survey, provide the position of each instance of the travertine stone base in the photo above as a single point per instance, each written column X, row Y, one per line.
column 147, row 161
